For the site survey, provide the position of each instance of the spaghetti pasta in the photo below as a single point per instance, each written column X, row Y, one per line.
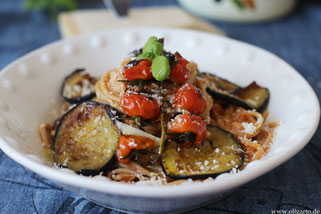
column 247, row 126
column 109, row 90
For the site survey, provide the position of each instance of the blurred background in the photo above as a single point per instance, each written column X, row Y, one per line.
column 290, row 29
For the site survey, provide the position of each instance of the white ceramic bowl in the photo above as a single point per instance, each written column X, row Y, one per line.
column 227, row 10
column 29, row 94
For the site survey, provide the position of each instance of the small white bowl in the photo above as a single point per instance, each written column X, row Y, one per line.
column 29, row 95
column 226, row 10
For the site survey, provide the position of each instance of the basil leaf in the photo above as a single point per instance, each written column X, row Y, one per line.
column 157, row 48
column 153, row 46
column 148, row 46
column 160, row 68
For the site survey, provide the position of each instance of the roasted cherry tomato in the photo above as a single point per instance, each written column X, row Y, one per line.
column 189, row 123
column 138, row 105
column 188, row 97
column 138, row 69
column 127, row 143
column 180, row 73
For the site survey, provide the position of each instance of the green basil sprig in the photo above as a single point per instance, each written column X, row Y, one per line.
column 152, row 50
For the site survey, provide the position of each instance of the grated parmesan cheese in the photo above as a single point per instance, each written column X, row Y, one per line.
column 249, row 128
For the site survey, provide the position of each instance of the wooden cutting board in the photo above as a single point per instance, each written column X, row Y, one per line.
column 86, row 21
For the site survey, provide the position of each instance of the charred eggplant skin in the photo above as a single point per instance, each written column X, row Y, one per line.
column 74, row 99
column 210, row 160
column 86, row 154
column 251, row 97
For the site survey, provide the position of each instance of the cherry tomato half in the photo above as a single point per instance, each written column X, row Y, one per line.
column 138, row 105
column 180, row 73
column 189, row 123
column 138, row 70
column 188, row 97
column 127, row 143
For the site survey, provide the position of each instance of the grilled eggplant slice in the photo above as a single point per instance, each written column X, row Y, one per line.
column 219, row 83
column 254, row 95
column 78, row 87
column 86, row 138
column 220, row 152
column 251, row 97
